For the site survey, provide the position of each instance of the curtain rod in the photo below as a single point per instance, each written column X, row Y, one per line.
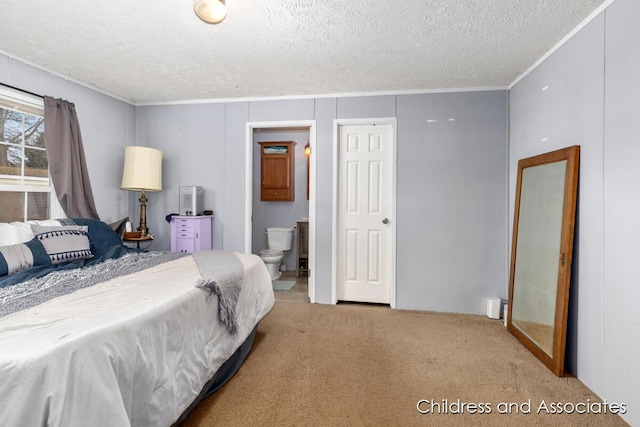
column 21, row 90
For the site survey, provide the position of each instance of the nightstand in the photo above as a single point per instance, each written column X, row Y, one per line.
column 137, row 240
column 190, row 233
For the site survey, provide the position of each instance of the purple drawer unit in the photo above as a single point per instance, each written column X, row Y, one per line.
column 191, row 233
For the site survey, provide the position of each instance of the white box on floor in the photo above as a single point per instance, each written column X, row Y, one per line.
column 493, row 307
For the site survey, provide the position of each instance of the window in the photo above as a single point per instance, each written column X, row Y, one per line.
column 26, row 191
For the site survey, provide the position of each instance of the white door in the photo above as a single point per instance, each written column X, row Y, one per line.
column 365, row 186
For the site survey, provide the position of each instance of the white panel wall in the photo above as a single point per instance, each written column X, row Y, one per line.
column 558, row 105
column 586, row 94
column 622, row 208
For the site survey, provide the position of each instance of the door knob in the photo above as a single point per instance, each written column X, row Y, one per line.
column 385, row 221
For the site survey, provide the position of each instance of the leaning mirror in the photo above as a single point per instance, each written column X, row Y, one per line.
column 541, row 253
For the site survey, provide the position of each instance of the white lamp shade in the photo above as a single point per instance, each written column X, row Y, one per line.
column 210, row 11
column 142, row 169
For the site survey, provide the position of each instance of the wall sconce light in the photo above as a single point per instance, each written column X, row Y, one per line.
column 307, row 153
column 210, row 11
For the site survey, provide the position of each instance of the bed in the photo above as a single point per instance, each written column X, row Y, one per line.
column 83, row 343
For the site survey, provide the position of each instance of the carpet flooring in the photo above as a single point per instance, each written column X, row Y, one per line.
column 362, row 365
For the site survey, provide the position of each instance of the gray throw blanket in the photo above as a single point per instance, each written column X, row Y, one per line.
column 32, row 292
column 222, row 275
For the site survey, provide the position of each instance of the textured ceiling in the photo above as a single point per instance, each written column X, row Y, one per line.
column 147, row 51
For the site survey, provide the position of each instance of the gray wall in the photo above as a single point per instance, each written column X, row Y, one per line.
column 452, row 225
column 279, row 214
column 325, row 113
column 107, row 126
column 621, row 328
column 451, row 186
column 192, row 138
column 583, row 105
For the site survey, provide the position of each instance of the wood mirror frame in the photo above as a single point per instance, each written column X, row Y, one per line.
column 541, row 253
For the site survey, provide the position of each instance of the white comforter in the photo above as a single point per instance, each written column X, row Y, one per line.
column 135, row 350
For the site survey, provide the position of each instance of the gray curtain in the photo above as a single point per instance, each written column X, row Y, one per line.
column 65, row 153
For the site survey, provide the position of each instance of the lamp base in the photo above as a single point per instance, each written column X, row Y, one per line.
column 143, row 229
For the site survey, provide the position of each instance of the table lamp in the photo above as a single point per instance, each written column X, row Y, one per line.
column 142, row 172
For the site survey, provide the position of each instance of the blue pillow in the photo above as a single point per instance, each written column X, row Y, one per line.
column 100, row 234
column 16, row 258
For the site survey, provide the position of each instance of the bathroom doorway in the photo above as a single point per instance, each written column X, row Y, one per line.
column 297, row 210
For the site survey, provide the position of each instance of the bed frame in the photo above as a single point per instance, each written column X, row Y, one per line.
column 223, row 375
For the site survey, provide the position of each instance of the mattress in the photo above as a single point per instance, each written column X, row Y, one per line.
column 135, row 350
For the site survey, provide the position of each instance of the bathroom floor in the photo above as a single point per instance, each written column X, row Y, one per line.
column 299, row 292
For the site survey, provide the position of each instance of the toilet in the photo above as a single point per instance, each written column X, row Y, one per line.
column 279, row 239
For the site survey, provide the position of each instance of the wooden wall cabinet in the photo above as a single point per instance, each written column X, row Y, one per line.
column 277, row 175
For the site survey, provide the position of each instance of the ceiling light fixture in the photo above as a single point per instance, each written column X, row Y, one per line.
column 210, row 11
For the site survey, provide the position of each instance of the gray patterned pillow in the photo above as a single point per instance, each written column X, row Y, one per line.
column 64, row 243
